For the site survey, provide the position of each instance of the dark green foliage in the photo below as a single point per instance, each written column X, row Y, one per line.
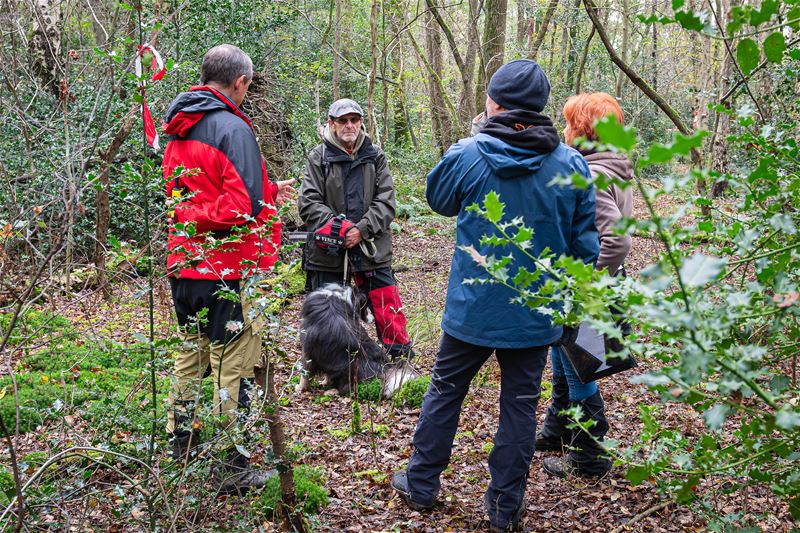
column 7, row 488
column 370, row 391
column 411, row 393
column 309, row 484
column 106, row 382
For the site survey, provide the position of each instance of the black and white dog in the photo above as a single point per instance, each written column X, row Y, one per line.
column 336, row 344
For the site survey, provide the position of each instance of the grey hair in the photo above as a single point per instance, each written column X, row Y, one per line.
column 224, row 63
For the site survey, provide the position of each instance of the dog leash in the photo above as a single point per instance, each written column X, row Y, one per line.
column 346, row 261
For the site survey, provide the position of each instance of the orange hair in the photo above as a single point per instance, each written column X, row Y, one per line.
column 583, row 110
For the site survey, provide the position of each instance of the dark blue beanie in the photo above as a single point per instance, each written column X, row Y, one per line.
column 520, row 84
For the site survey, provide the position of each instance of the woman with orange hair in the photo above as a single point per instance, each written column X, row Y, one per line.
column 587, row 458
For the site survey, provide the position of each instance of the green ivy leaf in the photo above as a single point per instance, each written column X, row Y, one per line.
column 615, row 134
column 494, row 207
column 747, row 55
column 677, row 4
column 774, row 46
column 700, row 269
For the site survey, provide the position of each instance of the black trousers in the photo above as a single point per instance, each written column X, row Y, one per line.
column 457, row 362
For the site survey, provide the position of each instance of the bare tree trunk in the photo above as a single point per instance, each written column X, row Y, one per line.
column 572, row 50
column 582, row 64
column 722, row 121
column 439, row 114
column 466, row 111
column 45, row 44
column 337, row 46
column 625, row 38
column 494, row 45
column 654, row 51
column 540, row 35
column 373, row 32
column 291, row 513
column 103, row 212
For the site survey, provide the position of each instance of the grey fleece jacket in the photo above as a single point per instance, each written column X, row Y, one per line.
column 612, row 205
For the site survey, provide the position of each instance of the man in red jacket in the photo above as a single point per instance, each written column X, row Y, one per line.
column 224, row 230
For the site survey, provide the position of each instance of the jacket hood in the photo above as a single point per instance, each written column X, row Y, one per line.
column 507, row 160
column 610, row 164
column 515, row 143
column 188, row 108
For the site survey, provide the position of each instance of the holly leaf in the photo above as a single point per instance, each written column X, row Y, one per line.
column 774, row 46
column 700, row 269
column 637, row 474
column 747, row 55
column 494, row 207
column 615, row 134
column 689, row 20
column 715, row 416
column 768, row 8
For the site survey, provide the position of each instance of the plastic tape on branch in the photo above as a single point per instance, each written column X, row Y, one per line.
column 158, row 69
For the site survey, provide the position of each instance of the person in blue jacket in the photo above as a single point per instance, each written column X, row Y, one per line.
column 516, row 154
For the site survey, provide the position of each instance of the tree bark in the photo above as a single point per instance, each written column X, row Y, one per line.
column 373, row 32
column 542, row 32
column 582, row 64
column 625, row 37
column 337, row 45
column 45, row 44
column 440, row 119
column 494, row 45
column 103, row 212
column 572, row 50
column 465, row 110
column 291, row 512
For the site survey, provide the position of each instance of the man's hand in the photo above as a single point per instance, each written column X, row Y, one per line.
column 285, row 191
column 352, row 238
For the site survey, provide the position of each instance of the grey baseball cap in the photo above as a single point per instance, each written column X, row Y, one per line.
column 344, row 106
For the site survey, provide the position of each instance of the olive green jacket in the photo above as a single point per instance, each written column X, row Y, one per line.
column 322, row 197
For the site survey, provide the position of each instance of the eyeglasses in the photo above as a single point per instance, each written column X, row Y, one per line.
column 345, row 120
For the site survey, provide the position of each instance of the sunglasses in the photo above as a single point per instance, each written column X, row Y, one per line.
column 345, row 120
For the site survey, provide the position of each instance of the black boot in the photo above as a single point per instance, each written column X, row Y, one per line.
column 554, row 435
column 586, row 458
column 185, row 437
column 234, row 475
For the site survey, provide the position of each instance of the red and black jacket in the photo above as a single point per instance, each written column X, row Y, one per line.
column 225, row 225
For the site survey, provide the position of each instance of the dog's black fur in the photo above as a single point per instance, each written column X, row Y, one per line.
column 336, row 344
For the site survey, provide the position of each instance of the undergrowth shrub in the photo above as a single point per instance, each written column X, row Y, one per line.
column 309, row 488
column 370, row 391
column 411, row 393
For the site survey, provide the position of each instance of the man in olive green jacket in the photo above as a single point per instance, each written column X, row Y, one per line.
column 348, row 175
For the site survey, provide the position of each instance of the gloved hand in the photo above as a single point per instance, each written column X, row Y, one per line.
column 331, row 235
column 569, row 336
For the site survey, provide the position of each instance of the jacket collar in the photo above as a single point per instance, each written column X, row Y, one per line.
column 188, row 108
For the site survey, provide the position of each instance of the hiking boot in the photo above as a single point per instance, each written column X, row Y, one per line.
column 586, row 458
column 185, row 438
column 400, row 485
column 554, row 435
column 234, row 476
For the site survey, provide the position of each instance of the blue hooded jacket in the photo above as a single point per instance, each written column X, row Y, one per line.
column 562, row 218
